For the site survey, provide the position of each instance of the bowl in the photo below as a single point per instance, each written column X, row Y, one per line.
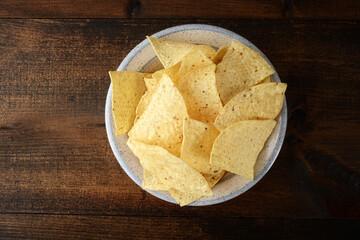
column 142, row 58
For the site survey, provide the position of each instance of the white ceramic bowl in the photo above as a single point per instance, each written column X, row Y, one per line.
column 143, row 58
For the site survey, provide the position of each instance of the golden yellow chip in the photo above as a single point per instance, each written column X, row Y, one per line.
column 169, row 169
column 200, row 94
column 268, row 79
column 196, row 83
column 192, row 61
column 173, row 72
column 207, row 50
column 152, row 80
column 143, row 104
column 218, row 57
column 184, row 198
column 236, row 148
column 170, row 52
column 240, row 68
column 128, row 87
column 214, row 178
column 151, row 182
column 262, row 101
column 197, row 144
column 162, row 121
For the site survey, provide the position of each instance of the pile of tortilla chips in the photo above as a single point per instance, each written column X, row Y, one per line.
column 205, row 113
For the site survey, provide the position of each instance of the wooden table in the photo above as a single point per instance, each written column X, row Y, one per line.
column 59, row 178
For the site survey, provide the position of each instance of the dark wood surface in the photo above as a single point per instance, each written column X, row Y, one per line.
column 204, row 9
column 59, row 178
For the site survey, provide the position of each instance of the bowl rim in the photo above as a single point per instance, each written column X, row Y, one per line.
column 111, row 136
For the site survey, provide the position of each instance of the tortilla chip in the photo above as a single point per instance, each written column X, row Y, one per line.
column 200, row 94
column 214, row 178
column 268, row 79
column 173, row 72
column 162, row 122
column 184, row 198
column 236, row 148
column 151, row 83
column 262, row 101
column 151, row 182
column 152, row 80
column 128, row 87
column 193, row 60
column 169, row 169
column 196, row 83
column 218, row 57
column 143, row 104
column 197, row 145
column 240, row 68
column 207, row 50
column 170, row 52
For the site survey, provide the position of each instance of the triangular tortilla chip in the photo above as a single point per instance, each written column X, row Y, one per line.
column 218, row 57
column 262, row 101
column 197, row 144
column 196, row 83
column 214, row 178
column 194, row 60
column 207, row 50
column 185, row 198
column 128, row 87
column 268, row 79
column 162, row 122
column 151, row 182
column 143, row 104
column 152, row 82
column 240, row 68
column 170, row 52
column 172, row 72
column 236, row 148
column 169, row 169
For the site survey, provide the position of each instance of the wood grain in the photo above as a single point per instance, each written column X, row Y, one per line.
column 54, row 153
column 25, row 226
column 204, row 9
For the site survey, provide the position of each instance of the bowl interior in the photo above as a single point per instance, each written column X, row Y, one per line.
column 142, row 58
